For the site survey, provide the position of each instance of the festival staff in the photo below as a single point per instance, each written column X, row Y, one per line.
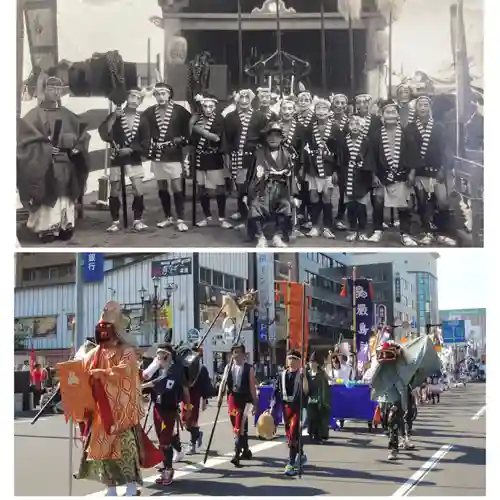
column 168, row 380
column 242, row 129
column 363, row 103
column 241, row 391
column 120, row 129
column 206, row 140
column 199, row 394
column 323, row 146
column 113, row 458
column 52, row 165
column 264, row 96
column 289, row 393
column 395, row 153
column 357, row 169
column 318, row 405
column 430, row 181
column 164, row 134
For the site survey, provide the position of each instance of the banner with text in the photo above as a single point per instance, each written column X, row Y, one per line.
column 364, row 313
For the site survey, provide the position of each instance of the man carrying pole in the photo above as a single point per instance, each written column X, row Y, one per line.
column 290, row 390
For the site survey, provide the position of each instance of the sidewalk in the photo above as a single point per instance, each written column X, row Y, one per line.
column 91, row 231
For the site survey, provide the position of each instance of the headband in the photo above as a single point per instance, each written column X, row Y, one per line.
column 137, row 92
column 305, row 93
column 333, row 96
column 263, row 90
column 244, row 92
column 423, row 98
column 204, row 99
column 363, row 97
column 321, row 102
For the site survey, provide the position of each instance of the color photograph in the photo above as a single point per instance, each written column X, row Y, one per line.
column 250, row 374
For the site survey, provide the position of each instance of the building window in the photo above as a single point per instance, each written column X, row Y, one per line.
column 229, row 282
column 205, row 275
column 239, row 285
column 218, row 279
column 53, row 273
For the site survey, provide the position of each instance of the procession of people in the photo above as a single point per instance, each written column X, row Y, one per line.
column 116, row 442
column 299, row 165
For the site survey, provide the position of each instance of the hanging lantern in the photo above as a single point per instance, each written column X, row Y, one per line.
column 390, row 9
column 350, row 9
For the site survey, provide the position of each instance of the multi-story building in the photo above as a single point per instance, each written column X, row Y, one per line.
column 475, row 324
column 405, row 283
column 45, row 302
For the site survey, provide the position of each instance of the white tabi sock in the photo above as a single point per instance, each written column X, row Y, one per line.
column 111, row 492
column 131, row 490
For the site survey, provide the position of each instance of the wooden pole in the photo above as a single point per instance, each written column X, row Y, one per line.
column 20, row 56
column 389, row 90
column 149, row 62
column 323, row 48
column 240, row 45
column 352, row 82
column 354, row 325
column 278, row 45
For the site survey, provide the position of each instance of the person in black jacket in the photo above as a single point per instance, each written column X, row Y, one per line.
column 241, row 391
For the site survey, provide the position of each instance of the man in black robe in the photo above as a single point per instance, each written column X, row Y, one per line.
column 430, row 186
column 164, row 134
column 357, row 170
column 206, row 140
column 340, row 117
column 121, row 130
column 396, row 159
column 270, row 186
column 242, row 129
column 323, row 146
column 52, row 165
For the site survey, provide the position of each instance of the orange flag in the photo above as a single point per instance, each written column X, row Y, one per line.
column 296, row 312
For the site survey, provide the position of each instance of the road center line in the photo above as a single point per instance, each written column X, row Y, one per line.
column 480, row 413
column 211, row 463
column 414, row 480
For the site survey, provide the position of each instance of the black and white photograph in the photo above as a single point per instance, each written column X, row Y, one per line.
column 250, row 123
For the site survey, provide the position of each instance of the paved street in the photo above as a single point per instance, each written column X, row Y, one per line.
column 449, row 459
column 91, row 230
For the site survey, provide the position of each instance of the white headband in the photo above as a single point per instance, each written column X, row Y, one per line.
column 243, row 92
column 202, row 99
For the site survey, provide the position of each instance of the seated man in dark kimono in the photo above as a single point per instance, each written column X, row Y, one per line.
column 357, row 170
column 270, row 185
column 52, row 165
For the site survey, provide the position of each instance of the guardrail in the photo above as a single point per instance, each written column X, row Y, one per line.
column 469, row 182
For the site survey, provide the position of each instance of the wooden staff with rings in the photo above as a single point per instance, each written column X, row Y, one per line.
column 302, row 374
column 233, row 309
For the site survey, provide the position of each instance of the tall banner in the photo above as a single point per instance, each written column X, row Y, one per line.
column 265, row 280
column 364, row 313
column 296, row 311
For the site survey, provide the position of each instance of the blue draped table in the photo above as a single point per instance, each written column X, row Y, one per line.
column 347, row 403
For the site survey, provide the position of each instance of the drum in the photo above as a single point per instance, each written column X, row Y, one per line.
column 265, row 427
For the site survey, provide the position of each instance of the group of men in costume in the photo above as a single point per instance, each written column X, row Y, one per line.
column 287, row 163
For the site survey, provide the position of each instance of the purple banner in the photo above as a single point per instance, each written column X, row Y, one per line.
column 364, row 314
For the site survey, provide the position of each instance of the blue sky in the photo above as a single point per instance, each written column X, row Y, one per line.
column 462, row 279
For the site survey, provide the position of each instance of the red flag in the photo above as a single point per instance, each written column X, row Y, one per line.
column 343, row 291
column 370, row 289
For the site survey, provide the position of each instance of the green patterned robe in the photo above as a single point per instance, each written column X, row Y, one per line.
column 318, row 406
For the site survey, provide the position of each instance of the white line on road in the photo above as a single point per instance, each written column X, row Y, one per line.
column 213, row 462
column 408, row 487
column 480, row 413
